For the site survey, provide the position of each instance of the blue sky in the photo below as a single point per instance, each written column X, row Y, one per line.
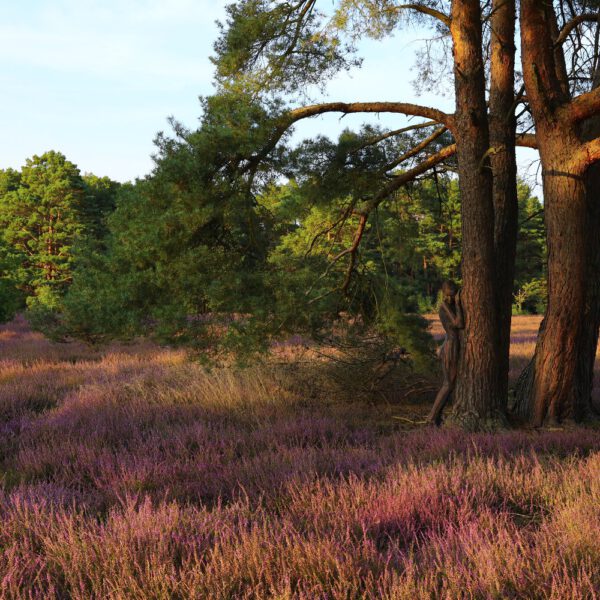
column 97, row 80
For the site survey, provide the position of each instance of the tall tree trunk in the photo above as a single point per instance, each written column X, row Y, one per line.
column 477, row 401
column 585, row 407
column 591, row 314
column 551, row 388
column 504, row 168
column 556, row 384
column 560, row 340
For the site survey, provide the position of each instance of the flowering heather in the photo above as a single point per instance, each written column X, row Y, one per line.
column 135, row 473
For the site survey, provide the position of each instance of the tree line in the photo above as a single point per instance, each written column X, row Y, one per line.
column 55, row 221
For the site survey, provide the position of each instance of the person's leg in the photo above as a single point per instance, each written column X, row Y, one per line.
column 440, row 401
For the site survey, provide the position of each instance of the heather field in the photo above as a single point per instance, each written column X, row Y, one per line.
column 131, row 472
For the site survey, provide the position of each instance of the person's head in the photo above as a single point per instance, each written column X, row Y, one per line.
column 449, row 290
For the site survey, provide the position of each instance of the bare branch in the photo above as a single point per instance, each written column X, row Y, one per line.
column 384, row 136
column 573, row 23
column 527, row 140
column 417, row 149
column 370, row 107
column 426, row 10
column 409, row 176
column 583, row 107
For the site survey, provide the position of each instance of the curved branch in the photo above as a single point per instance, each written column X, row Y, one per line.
column 305, row 112
column 583, row 107
column 388, row 134
column 426, row 10
column 407, row 177
column 573, row 23
column 417, row 149
column 346, row 108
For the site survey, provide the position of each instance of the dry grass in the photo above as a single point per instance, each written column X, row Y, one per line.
column 134, row 473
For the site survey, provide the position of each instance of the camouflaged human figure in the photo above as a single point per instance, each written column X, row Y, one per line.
column 451, row 316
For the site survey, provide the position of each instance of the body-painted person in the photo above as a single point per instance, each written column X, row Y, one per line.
column 451, row 316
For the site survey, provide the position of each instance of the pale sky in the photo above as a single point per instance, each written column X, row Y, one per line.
column 97, row 80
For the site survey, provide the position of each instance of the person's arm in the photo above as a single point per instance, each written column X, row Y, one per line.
column 459, row 320
column 455, row 320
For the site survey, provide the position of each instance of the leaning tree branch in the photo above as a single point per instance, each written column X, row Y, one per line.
column 590, row 152
column 305, row 112
column 426, row 10
column 573, row 23
column 353, row 250
column 346, row 108
column 357, row 238
column 388, row 134
column 407, row 177
column 527, row 140
column 417, row 149
column 583, row 107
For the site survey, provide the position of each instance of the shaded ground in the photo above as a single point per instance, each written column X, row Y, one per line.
column 133, row 473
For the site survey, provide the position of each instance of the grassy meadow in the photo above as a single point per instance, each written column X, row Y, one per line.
column 131, row 472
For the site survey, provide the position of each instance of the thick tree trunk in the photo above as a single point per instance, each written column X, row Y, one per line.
column 504, row 168
column 578, row 405
column 477, row 401
column 557, row 384
column 591, row 314
column 584, row 406
column 554, row 395
column 571, row 354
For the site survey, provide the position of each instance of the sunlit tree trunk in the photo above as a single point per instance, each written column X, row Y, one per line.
column 552, row 388
column 478, row 402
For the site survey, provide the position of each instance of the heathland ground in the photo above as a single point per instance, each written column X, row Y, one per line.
column 131, row 472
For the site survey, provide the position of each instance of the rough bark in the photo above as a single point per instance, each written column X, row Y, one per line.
column 576, row 402
column 504, row 168
column 584, row 406
column 559, row 344
column 591, row 313
column 477, row 401
column 551, row 389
